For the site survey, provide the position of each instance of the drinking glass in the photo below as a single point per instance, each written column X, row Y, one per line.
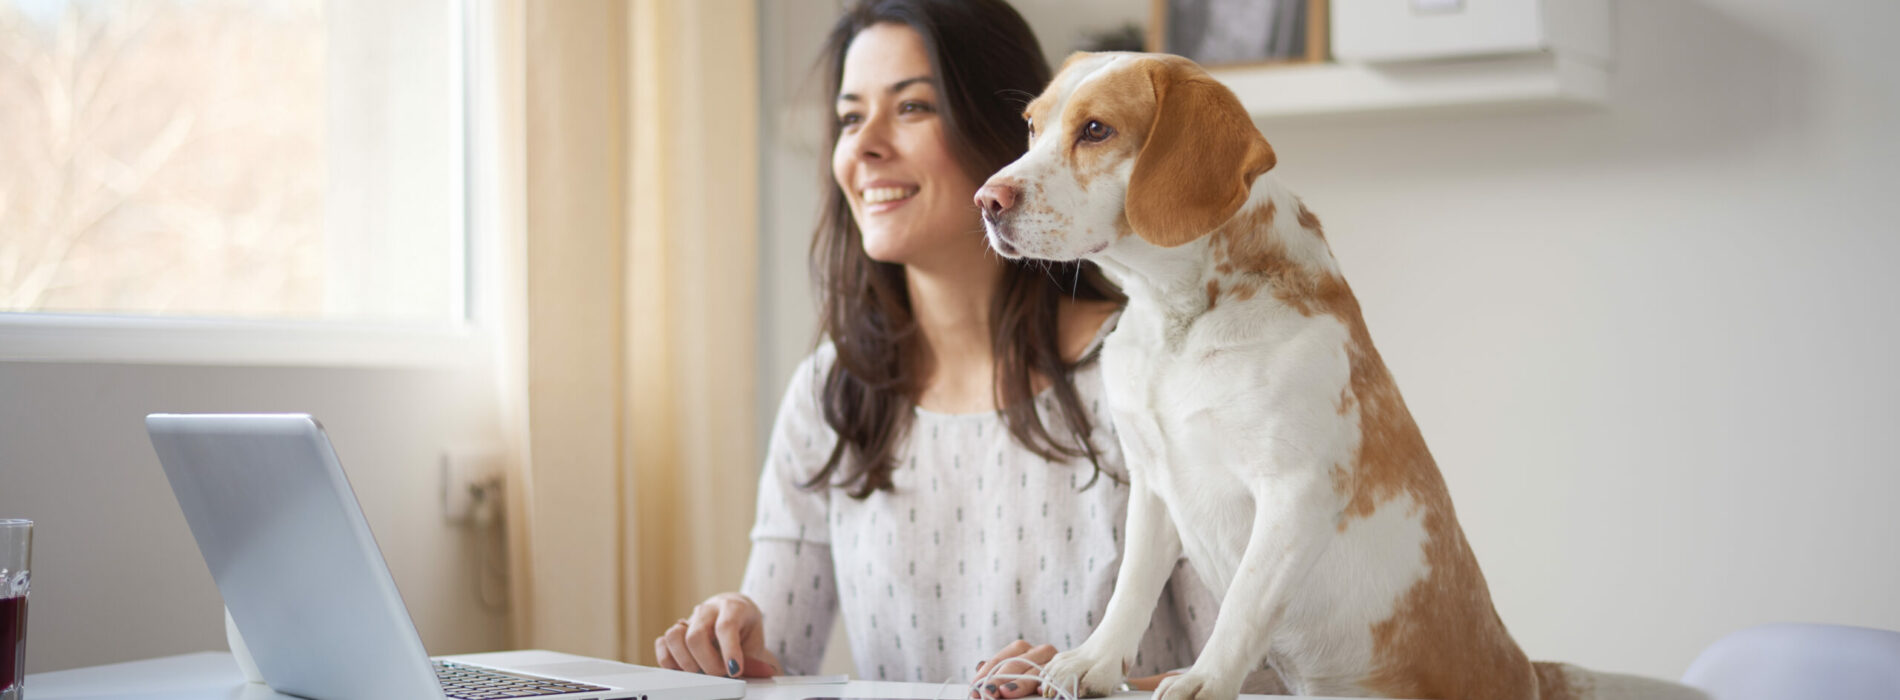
column 16, row 557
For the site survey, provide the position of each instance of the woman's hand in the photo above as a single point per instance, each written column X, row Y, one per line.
column 993, row 674
column 724, row 636
column 1012, row 661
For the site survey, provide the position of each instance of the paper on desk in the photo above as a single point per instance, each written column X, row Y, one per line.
column 810, row 680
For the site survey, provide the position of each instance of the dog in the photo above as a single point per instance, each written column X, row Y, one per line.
column 1265, row 439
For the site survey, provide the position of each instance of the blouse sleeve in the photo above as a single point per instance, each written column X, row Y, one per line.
column 789, row 573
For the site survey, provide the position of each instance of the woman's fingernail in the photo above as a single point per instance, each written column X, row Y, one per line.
column 732, row 667
column 1010, row 687
column 991, row 687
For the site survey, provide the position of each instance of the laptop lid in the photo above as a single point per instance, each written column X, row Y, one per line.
column 293, row 556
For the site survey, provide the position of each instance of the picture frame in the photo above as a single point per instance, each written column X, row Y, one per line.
column 1232, row 33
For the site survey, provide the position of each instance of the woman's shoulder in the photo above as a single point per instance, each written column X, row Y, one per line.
column 819, row 361
column 802, row 388
column 1084, row 324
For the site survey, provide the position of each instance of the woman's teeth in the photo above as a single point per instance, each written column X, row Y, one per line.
column 879, row 195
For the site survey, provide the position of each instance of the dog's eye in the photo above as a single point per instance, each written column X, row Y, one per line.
column 1096, row 132
column 1032, row 129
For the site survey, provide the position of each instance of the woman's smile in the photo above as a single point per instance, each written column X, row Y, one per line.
column 886, row 197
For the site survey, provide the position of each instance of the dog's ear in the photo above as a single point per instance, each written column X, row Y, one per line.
column 1200, row 160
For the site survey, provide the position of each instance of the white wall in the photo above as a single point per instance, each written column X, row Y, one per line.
column 1650, row 345
column 117, row 575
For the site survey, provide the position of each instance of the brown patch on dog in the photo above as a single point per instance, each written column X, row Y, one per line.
column 1246, row 248
column 1444, row 638
column 1122, row 100
column 1199, row 159
column 1309, row 222
column 1213, row 294
column 1247, row 241
column 1342, row 483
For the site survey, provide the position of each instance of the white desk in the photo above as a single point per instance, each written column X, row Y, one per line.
column 213, row 675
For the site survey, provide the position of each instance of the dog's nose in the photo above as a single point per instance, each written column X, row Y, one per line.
column 995, row 198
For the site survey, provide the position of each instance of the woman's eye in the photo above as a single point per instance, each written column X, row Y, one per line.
column 849, row 119
column 910, row 107
column 1096, row 132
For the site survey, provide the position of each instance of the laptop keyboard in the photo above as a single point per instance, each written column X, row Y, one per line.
column 465, row 682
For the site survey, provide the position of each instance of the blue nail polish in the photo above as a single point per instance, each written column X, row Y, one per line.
column 1011, row 687
column 732, row 667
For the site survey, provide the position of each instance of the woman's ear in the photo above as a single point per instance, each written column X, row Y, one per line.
column 1200, row 160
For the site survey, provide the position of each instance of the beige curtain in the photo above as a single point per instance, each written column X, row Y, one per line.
column 628, row 215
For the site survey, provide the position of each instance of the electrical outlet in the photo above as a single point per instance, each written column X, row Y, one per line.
column 471, row 485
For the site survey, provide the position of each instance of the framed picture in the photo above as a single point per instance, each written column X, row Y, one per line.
column 1239, row 32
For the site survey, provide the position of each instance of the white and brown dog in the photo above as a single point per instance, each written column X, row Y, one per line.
column 1265, row 439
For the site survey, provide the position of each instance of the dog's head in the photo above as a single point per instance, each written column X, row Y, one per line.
column 1123, row 143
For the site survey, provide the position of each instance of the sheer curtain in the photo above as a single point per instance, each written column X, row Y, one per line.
column 625, row 203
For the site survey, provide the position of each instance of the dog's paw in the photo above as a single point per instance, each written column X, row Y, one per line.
column 1082, row 672
column 1196, row 686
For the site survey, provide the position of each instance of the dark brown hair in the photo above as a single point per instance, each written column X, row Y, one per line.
column 987, row 65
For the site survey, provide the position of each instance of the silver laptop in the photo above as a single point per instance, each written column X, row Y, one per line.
column 301, row 574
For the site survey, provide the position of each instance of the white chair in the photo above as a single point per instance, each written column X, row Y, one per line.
column 1800, row 661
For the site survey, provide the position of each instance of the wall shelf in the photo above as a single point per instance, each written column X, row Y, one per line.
column 1487, row 55
column 1471, row 84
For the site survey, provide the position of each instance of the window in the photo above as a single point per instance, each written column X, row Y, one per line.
column 273, row 161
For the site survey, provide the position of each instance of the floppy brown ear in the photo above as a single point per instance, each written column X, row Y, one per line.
column 1200, row 160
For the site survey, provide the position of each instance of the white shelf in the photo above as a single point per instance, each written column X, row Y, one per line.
column 1475, row 84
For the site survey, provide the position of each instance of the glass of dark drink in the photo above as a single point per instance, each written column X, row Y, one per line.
column 16, row 550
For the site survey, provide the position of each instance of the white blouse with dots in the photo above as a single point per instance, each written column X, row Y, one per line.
column 980, row 543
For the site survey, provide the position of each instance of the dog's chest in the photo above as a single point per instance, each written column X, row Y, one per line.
column 1203, row 408
column 1203, row 396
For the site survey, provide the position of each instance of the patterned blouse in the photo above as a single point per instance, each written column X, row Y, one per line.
column 980, row 543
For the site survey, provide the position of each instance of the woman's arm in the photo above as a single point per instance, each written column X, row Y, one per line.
column 793, row 585
column 790, row 574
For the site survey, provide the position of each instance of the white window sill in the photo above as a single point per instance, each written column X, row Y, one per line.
column 41, row 337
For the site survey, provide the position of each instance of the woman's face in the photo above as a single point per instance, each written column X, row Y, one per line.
column 909, row 195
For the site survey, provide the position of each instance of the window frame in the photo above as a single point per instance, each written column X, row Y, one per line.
column 461, row 340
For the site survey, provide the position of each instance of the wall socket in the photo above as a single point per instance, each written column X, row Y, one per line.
column 472, row 479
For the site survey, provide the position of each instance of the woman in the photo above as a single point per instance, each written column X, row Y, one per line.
column 942, row 469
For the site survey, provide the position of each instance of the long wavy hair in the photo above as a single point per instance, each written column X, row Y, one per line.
column 987, row 66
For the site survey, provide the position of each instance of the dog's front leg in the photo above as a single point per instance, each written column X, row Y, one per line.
column 1294, row 516
column 1096, row 667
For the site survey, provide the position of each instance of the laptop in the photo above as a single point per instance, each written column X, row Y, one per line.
column 310, row 593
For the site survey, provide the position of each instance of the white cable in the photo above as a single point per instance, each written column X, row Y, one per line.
column 994, row 674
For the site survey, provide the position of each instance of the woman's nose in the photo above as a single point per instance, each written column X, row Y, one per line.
column 874, row 139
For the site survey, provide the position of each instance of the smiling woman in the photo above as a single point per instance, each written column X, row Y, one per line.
column 921, row 122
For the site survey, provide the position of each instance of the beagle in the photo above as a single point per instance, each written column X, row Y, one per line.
column 1265, row 439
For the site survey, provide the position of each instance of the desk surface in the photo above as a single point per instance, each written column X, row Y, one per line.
column 213, row 674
